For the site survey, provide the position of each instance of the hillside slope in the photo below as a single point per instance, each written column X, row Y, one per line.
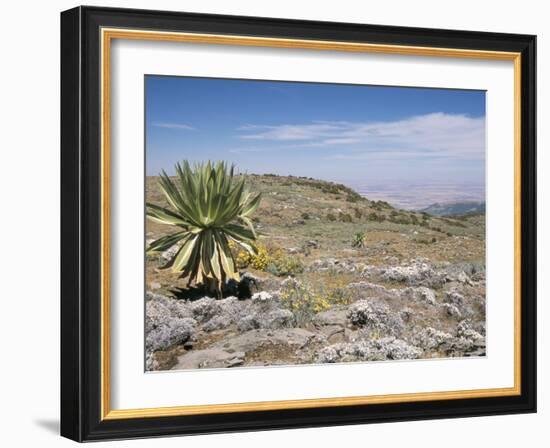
column 455, row 208
column 415, row 280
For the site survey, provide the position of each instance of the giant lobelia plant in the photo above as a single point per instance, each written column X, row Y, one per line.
column 211, row 208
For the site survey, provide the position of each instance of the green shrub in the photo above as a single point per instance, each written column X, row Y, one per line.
column 345, row 217
column 284, row 266
column 305, row 215
column 353, row 197
column 372, row 216
column 358, row 240
column 331, row 217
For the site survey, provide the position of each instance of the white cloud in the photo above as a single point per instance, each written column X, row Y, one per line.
column 181, row 126
column 433, row 135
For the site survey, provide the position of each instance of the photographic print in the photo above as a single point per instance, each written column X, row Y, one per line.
column 297, row 223
column 313, row 206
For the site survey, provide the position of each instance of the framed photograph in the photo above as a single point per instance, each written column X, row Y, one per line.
column 277, row 224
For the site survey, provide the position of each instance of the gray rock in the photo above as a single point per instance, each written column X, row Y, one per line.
column 273, row 319
column 209, row 358
column 334, row 316
column 251, row 340
column 333, row 333
column 367, row 289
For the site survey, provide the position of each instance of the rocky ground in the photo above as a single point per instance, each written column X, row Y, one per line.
column 415, row 290
column 431, row 312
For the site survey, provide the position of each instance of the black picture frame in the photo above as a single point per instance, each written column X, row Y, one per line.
column 81, row 224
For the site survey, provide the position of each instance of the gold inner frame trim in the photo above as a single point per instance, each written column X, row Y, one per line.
column 107, row 35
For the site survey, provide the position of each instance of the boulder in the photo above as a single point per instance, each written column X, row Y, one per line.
column 332, row 317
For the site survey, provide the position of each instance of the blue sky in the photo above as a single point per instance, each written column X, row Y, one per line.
column 328, row 131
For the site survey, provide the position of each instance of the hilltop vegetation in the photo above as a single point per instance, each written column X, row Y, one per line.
column 346, row 278
column 455, row 208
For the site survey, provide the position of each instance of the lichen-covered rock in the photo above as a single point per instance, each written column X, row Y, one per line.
column 430, row 339
column 465, row 330
column 161, row 334
column 158, row 305
column 273, row 319
column 167, row 322
column 205, row 309
column 465, row 272
column 373, row 315
column 467, row 341
column 418, row 273
column 368, row 350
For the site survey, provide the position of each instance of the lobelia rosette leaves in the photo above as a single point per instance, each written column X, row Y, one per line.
column 211, row 207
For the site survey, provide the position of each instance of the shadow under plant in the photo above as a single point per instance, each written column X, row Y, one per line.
column 332, row 277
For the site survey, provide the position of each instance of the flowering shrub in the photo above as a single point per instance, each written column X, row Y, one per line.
column 257, row 261
column 304, row 301
column 275, row 262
